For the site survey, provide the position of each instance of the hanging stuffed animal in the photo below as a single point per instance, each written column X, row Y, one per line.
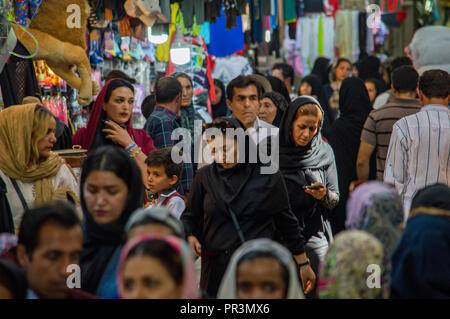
column 63, row 48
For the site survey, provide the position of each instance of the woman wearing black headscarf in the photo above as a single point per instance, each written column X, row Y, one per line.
column 220, row 107
column 13, row 283
column 279, row 87
column 306, row 160
column 421, row 262
column 369, row 67
column 232, row 201
column 322, row 69
column 272, row 107
column 311, row 85
column 344, row 137
column 111, row 189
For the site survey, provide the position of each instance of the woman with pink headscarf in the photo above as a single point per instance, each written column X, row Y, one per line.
column 157, row 267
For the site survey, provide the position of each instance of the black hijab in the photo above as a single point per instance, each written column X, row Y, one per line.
column 293, row 158
column 279, row 86
column 437, row 196
column 243, row 188
column 345, row 133
column 321, row 68
column 369, row 67
column 101, row 241
column 344, row 137
column 318, row 91
column 420, row 263
column 281, row 104
column 220, row 109
column 13, row 278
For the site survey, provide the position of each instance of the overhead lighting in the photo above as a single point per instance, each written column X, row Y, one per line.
column 268, row 36
column 180, row 52
column 159, row 33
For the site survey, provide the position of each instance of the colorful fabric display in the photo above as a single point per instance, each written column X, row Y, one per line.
column 109, row 45
column 26, row 10
column 95, row 55
column 125, row 47
column 136, row 50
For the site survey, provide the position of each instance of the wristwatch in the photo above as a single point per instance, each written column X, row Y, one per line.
column 305, row 263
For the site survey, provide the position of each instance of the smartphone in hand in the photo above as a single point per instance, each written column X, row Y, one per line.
column 313, row 187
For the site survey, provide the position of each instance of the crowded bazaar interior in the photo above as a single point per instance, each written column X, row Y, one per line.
column 224, row 149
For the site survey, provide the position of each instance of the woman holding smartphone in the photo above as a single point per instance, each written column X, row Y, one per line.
column 309, row 169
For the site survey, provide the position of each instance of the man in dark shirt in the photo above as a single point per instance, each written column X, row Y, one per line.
column 165, row 119
column 50, row 244
column 377, row 130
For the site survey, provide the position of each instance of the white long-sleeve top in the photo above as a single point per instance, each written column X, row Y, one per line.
column 419, row 152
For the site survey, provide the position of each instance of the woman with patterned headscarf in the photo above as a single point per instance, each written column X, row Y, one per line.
column 352, row 258
column 377, row 208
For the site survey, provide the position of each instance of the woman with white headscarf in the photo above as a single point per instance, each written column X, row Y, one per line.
column 261, row 269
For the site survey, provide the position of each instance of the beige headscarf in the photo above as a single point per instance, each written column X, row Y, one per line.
column 19, row 159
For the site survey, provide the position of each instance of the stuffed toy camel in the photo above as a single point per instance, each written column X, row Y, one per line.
column 63, row 48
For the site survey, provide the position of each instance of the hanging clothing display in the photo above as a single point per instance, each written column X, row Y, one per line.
column 290, row 11
column 347, row 34
column 235, row 38
column 315, row 38
column 18, row 78
column 228, row 68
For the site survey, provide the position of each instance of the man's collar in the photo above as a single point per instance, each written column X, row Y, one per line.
column 168, row 192
column 166, row 110
column 435, row 107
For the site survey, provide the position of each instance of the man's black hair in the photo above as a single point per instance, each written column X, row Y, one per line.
column 60, row 213
column 286, row 69
column 167, row 89
column 148, row 105
column 399, row 62
column 405, row 79
column 435, row 83
column 242, row 81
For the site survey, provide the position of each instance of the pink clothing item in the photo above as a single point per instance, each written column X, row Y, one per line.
column 190, row 286
column 361, row 197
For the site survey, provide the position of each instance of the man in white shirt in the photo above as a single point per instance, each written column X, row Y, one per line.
column 419, row 149
column 243, row 97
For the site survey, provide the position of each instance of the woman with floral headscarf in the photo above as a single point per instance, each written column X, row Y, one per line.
column 353, row 257
column 165, row 266
column 377, row 208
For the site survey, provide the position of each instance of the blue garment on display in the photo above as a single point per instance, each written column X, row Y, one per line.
column 225, row 42
column 205, row 32
column 256, row 20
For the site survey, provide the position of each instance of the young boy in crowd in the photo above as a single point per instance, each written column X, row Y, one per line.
column 163, row 178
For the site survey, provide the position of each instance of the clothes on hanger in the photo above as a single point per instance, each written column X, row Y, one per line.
column 347, row 34
column 234, row 42
column 314, row 38
column 18, row 78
